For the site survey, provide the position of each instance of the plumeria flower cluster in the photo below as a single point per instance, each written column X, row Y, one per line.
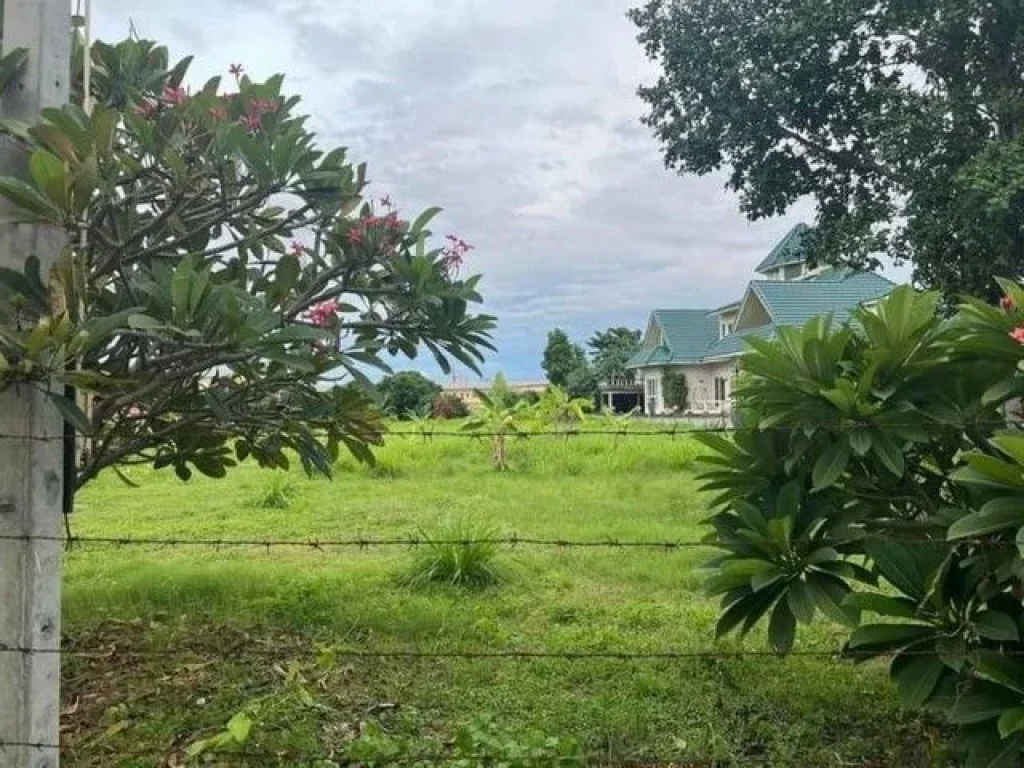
column 253, row 121
column 454, row 253
column 384, row 230
column 174, row 96
column 325, row 313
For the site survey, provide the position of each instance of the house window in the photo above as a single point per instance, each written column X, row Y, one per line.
column 720, row 389
column 725, row 329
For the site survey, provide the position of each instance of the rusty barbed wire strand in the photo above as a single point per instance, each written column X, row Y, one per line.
column 511, row 542
column 677, row 431
column 508, row 654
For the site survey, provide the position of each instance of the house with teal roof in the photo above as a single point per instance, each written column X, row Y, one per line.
column 704, row 345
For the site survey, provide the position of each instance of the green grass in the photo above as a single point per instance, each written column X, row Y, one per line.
column 236, row 629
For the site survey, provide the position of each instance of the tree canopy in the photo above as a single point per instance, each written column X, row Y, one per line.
column 610, row 350
column 220, row 268
column 902, row 120
column 561, row 357
column 407, row 393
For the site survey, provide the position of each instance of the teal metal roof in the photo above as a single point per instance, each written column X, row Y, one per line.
column 727, row 307
column 687, row 332
column 686, row 335
column 789, row 250
column 650, row 356
column 796, row 302
column 691, row 335
column 735, row 343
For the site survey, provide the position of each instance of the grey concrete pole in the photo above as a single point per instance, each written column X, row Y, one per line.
column 31, row 460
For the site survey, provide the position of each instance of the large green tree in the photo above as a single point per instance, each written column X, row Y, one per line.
column 220, row 267
column 611, row 349
column 901, row 119
column 406, row 394
column 562, row 357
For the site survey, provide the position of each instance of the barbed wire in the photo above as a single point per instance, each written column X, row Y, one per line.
column 498, row 654
column 680, row 430
column 511, row 541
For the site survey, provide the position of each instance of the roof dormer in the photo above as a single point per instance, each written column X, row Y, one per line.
column 788, row 259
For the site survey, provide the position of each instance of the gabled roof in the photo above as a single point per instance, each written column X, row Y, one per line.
column 691, row 335
column 836, row 293
column 736, row 343
column 733, row 305
column 789, row 250
column 686, row 334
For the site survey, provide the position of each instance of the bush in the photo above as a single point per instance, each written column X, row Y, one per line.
column 448, row 406
column 457, row 554
column 677, row 394
column 870, row 478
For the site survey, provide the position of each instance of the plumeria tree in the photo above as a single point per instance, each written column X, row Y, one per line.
column 225, row 281
column 878, row 483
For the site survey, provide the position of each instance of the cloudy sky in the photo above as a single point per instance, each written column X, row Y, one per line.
column 520, row 119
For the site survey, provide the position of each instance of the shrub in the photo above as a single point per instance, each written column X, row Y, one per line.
column 458, row 554
column 677, row 394
column 870, row 477
column 448, row 406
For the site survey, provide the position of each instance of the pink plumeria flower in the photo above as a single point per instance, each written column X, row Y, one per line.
column 355, row 235
column 261, row 106
column 218, row 113
column 1017, row 334
column 145, row 108
column 174, row 96
column 253, row 122
column 385, row 201
column 324, row 313
column 454, row 254
column 297, row 248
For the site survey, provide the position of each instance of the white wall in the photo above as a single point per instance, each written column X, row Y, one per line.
column 700, row 384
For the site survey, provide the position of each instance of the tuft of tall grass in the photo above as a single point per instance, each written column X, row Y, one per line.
column 455, row 554
column 278, row 493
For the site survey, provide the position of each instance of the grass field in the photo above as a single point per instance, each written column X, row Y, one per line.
column 219, row 632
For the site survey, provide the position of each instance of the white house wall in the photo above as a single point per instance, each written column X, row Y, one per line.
column 700, row 386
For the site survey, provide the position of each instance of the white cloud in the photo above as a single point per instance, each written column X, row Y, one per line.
column 520, row 118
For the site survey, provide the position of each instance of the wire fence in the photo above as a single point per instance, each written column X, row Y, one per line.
column 678, row 429
column 514, row 655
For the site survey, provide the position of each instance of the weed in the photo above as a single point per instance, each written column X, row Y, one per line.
column 278, row 493
column 455, row 554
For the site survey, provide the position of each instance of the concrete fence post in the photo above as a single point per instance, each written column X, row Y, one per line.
column 31, row 452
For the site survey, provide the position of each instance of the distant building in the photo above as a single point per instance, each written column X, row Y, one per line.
column 704, row 344
column 466, row 390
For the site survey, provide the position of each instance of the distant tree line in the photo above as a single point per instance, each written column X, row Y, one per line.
column 410, row 394
column 569, row 366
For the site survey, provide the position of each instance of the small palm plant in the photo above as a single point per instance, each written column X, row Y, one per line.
column 618, row 424
column 499, row 420
column 565, row 412
column 422, row 422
